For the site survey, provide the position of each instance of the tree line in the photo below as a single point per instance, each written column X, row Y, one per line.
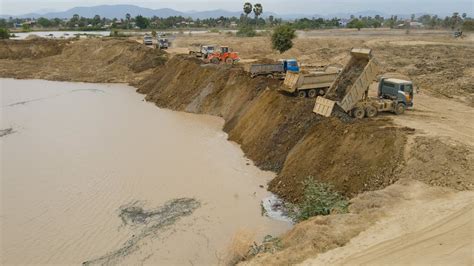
column 456, row 21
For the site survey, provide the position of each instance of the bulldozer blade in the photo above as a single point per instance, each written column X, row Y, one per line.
column 361, row 53
column 324, row 106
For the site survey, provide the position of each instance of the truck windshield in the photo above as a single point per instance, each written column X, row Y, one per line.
column 292, row 63
column 408, row 88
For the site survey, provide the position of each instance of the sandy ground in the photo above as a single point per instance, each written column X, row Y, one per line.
column 428, row 229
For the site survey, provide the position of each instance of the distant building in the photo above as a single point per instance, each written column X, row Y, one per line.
column 343, row 22
column 416, row 25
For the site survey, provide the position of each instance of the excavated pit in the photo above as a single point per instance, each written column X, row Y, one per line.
column 278, row 132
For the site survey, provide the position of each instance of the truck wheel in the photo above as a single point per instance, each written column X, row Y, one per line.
column 301, row 94
column 270, row 76
column 215, row 60
column 400, row 109
column 371, row 111
column 321, row 92
column 229, row 61
column 312, row 93
column 358, row 112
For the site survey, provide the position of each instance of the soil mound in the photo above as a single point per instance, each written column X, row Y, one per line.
column 31, row 48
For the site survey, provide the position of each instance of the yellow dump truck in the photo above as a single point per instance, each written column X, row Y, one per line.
column 308, row 85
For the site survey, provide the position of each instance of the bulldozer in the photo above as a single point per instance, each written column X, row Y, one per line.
column 394, row 95
column 223, row 55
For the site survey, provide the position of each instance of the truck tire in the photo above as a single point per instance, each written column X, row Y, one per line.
column 370, row 111
column 400, row 109
column 270, row 76
column 229, row 61
column 215, row 60
column 312, row 93
column 301, row 94
column 358, row 112
column 321, row 92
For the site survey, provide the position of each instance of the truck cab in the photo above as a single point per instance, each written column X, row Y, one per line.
column 290, row 65
column 163, row 43
column 206, row 50
column 148, row 40
column 396, row 89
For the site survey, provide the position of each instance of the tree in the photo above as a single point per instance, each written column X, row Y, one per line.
column 271, row 19
column 4, row 33
column 25, row 27
column 412, row 17
column 356, row 23
column 128, row 16
column 245, row 30
column 247, row 9
column 43, row 22
column 455, row 20
column 142, row 22
column 282, row 38
column 96, row 20
column 464, row 15
column 257, row 10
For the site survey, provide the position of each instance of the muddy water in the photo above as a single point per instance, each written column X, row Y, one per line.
column 92, row 173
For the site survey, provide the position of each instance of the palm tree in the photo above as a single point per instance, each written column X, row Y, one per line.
column 247, row 9
column 257, row 10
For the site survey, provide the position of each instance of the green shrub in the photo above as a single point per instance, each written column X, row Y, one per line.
column 4, row 33
column 246, row 31
column 319, row 199
column 214, row 30
column 468, row 25
column 282, row 38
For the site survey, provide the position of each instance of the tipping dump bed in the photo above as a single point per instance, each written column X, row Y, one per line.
column 355, row 91
column 300, row 81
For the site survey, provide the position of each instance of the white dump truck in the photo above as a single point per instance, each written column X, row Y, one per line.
column 394, row 95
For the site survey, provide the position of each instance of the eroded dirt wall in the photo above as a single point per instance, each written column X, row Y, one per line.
column 279, row 132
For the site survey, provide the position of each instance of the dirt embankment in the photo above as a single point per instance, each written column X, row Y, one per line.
column 37, row 48
column 94, row 60
column 279, row 132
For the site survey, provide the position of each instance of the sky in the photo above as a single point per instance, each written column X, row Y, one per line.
column 322, row 7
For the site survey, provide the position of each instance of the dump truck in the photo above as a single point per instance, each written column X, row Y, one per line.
column 274, row 70
column 148, row 40
column 163, row 43
column 202, row 50
column 308, row 85
column 394, row 95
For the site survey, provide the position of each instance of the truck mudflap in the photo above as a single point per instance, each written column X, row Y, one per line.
column 324, row 106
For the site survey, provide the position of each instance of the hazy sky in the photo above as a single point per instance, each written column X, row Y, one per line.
column 16, row 7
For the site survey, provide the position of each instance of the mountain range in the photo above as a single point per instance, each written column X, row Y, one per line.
column 119, row 11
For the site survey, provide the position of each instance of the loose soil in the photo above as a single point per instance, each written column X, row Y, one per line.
column 280, row 133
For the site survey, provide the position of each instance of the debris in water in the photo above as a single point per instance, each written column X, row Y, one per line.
column 8, row 131
column 150, row 222
column 275, row 209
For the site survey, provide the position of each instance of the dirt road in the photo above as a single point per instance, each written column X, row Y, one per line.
column 438, row 117
column 424, row 231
